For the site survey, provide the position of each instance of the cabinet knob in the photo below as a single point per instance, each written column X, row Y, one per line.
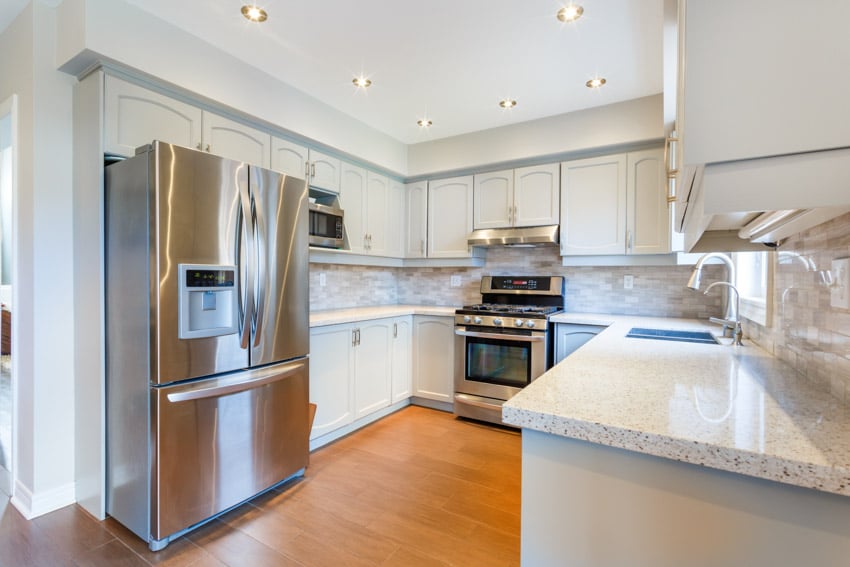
column 208, row 148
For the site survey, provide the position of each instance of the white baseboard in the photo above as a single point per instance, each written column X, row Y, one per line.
column 34, row 505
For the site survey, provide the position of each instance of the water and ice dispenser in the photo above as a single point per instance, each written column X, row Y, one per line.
column 208, row 301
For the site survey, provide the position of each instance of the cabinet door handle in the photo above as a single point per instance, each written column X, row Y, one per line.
column 208, row 148
column 629, row 240
column 307, row 169
column 671, row 167
column 313, row 169
column 353, row 337
column 422, row 247
column 199, row 146
column 395, row 330
column 358, row 337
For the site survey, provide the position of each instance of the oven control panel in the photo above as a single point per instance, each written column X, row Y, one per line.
column 501, row 321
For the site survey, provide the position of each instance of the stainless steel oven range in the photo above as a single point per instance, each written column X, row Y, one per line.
column 503, row 343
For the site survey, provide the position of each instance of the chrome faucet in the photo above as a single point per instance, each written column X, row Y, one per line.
column 736, row 323
column 730, row 319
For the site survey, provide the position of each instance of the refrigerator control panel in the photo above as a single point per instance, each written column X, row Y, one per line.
column 207, row 301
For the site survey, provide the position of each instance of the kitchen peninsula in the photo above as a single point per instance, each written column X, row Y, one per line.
column 649, row 452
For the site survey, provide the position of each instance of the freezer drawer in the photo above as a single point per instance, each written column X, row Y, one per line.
column 219, row 442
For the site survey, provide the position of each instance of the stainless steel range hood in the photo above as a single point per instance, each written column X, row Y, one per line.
column 526, row 236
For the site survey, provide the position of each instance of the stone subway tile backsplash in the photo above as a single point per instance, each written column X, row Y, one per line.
column 658, row 290
column 806, row 331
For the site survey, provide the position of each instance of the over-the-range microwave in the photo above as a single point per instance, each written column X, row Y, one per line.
column 326, row 226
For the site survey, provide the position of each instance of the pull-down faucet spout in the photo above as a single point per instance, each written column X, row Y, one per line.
column 730, row 310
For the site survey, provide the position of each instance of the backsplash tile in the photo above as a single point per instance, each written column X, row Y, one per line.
column 658, row 290
column 806, row 331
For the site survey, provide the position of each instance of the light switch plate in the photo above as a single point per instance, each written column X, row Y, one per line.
column 628, row 282
column 455, row 280
column 323, row 281
column 840, row 291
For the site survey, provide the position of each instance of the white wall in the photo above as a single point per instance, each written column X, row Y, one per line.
column 44, row 339
column 110, row 30
column 623, row 123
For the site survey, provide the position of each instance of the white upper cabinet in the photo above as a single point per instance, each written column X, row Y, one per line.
column 648, row 228
column 324, row 171
column 135, row 116
column 321, row 170
column 493, row 200
column 615, row 205
column 416, row 214
column 449, row 217
column 352, row 199
column 750, row 78
column 396, row 233
column 593, row 206
column 233, row 140
column 517, row 197
column 377, row 210
column 536, row 195
column 290, row 158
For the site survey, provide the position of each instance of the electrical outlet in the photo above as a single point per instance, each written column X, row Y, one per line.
column 839, row 294
column 628, row 282
column 323, row 281
column 455, row 280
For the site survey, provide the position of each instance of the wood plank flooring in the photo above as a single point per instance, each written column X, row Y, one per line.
column 417, row 488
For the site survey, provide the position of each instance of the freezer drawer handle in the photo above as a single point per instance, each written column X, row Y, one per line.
column 272, row 375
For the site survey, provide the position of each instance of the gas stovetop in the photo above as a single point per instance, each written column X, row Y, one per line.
column 509, row 309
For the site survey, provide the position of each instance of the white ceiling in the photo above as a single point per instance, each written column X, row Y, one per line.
column 449, row 60
column 9, row 10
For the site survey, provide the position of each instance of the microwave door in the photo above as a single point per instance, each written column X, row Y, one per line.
column 281, row 330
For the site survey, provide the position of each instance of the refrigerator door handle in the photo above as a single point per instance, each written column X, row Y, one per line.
column 262, row 269
column 231, row 386
column 248, row 230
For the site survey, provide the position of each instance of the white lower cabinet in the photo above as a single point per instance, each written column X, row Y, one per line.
column 357, row 369
column 433, row 357
column 569, row 337
column 331, row 378
column 402, row 360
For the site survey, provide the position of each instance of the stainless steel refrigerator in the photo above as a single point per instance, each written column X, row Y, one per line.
column 207, row 309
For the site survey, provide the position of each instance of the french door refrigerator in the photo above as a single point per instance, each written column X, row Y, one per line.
column 207, row 335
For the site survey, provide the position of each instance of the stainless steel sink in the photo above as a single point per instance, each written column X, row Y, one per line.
column 703, row 337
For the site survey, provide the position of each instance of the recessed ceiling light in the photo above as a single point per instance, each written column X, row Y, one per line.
column 361, row 82
column 424, row 122
column 570, row 13
column 507, row 103
column 254, row 13
column 595, row 83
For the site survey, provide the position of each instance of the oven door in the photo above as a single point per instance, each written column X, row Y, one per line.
column 497, row 364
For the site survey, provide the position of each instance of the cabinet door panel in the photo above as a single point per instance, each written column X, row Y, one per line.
column 396, row 234
column 536, row 195
column 433, row 358
column 325, row 171
column 449, row 217
column 649, row 215
column 377, row 207
column 416, row 202
column 569, row 337
column 492, row 199
column 331, row 378
column 593, row 201
column 402, row 383
column 135, row 116
column 351, row 197
column 372, row 368
column 226, row 138
column 289, row 158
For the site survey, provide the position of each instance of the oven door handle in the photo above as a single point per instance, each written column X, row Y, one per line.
column 503, row 336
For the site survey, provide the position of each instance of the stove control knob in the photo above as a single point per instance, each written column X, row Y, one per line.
column 477, row 320
column 497, row 321
column 529, row 324
column 467, row 319
column 519, row 322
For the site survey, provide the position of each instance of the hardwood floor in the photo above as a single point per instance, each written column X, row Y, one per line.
column 418, row 487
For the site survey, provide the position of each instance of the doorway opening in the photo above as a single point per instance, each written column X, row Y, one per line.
column 8, row 134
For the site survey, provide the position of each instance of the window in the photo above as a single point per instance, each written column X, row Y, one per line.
column 754, row 280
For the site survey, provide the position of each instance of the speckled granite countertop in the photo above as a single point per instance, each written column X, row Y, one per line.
column 731, row 408
column 340, row 316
